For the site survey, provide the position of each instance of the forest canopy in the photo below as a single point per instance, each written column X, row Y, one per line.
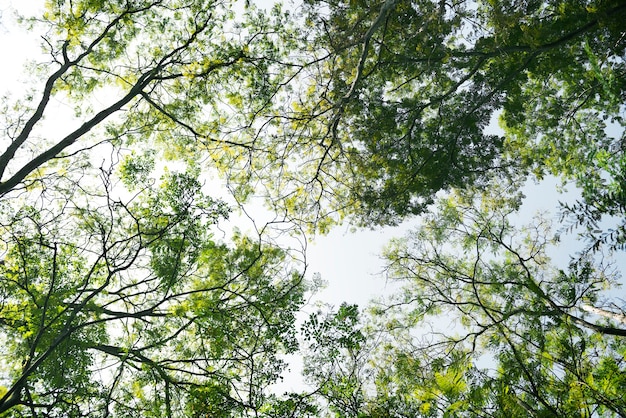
column 144, row 125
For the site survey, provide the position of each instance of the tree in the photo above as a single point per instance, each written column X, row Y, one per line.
column 601, row 210
column 399, row 105
column 115, row 298
column 469, row 266
column 162, row 88
column 484, row 326
column 335, row 359
column 349, row 109
column 118, row 308
column 399, row 94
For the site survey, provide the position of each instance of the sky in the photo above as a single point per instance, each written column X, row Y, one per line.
column 349, row 262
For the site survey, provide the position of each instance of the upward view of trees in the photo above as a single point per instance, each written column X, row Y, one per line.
column 121, row 294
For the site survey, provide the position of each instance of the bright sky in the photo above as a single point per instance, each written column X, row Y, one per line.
column 349, row 262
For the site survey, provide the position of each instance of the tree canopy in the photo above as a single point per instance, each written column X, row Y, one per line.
column 146, row 124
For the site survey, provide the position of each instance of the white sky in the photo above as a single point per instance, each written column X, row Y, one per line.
column 348, row 262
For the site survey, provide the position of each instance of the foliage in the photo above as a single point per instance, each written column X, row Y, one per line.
column 397, row 104
column 116, row 299
column 336, row 360
column 525, row 319
column 602, row 208
column 113, row 307
column 166, row 75
column 353, row 109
